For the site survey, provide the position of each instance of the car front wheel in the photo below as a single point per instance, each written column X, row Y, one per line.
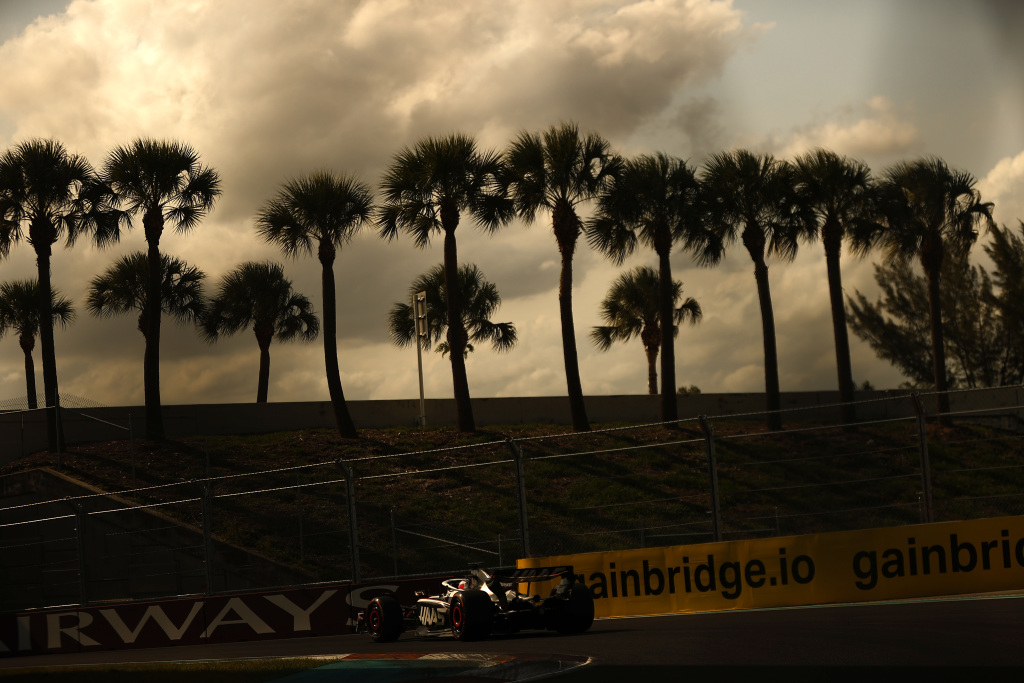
column 383, row 618
column 470, row 615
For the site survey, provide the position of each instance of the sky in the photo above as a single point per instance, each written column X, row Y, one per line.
column 266, row 91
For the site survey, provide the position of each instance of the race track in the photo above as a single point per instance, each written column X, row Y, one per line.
column 950, row 632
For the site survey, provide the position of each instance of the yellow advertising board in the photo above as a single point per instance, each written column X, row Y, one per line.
column 945, row 558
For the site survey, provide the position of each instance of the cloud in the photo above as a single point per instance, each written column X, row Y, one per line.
column 875, row 129
column 1004, row 186
column 266, row 91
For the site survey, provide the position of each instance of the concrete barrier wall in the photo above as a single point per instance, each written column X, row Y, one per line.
column 22, row 433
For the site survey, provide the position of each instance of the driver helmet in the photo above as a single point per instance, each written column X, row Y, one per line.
column 462, row 585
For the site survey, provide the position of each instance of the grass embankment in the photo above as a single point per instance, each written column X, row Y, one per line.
column 598, row 491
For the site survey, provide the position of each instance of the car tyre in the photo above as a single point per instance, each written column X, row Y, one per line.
column 470, row 615
column 383, row 618
column 578, row 615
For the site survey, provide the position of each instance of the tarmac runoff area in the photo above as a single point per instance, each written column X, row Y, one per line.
column 383, row 668
column 396, row 667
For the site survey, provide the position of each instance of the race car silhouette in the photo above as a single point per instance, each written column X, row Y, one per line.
column 480, row 604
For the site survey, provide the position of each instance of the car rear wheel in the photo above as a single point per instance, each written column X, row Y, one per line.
column 578, row 616
column 384, row 618
column 470, row 615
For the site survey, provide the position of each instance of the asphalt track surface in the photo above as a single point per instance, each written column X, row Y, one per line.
column 892, row 640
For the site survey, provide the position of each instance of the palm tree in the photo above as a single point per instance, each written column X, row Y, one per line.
column 325, row 210
column 19, row 312
column 47, row 194
column 653, row 201
column 632, row 308
column 929, row 209
column 426, row 189
column 837, row 192
column 164, row 181
column 753, row 197
column 259, row 294
column 122, row 289
column 480, row 300
column 557, row 170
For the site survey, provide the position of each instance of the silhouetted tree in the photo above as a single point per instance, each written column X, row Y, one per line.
column 325, row 210
column 753, row 197
column 653, row 201
column 981, row 348
column 259, row 294
column 557, row 170
column 479, row 298
column 47, row 194
column 928, row 211
column 632, row 308
column 164, row 182
column 426, row 189
column 19, row 313
column 837, row 191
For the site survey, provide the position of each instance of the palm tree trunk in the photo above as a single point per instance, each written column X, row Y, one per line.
column 153, row 223
column 652, row 369
column 346, row 428
column 832, row 238
column 50, row 391
column 28, row 342
column 264, row 380
column 771, row 359
column 456, row 335
column 938, row 343
column 669, row 407
column 566, row 228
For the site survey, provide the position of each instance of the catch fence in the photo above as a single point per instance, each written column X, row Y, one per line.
column 216, row 528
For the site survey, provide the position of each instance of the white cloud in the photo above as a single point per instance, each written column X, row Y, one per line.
column 875, row 129
column 1004, row 186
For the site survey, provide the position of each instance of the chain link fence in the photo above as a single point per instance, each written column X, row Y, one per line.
column 433, row 512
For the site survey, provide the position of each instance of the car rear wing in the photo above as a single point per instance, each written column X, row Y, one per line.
column 537, row 575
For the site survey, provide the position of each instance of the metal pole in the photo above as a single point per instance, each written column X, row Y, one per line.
column 922, row 442
column 131, row 446
column 524, row 523
column 709, row 436
column 353, row 527
column 56, row 413
column 419, row 311
column 23, row 435
column 394, row 542
column 207, row 538
column 302, row 535
column 80, row 528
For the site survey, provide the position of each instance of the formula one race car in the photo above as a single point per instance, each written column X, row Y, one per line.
column 479, row 604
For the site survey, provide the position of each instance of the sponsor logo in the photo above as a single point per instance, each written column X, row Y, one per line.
column 429, row 616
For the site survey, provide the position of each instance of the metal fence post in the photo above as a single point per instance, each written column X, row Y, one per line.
column 83, row 579
column 131, row 446
column 56, row 422
column 207, row 538
column 394, row 542
column 302, row 530
column 709, row 437
column 353, row 527
column 524, row 526
column 926, row 475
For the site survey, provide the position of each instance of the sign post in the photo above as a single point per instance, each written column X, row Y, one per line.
column 419, row 312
